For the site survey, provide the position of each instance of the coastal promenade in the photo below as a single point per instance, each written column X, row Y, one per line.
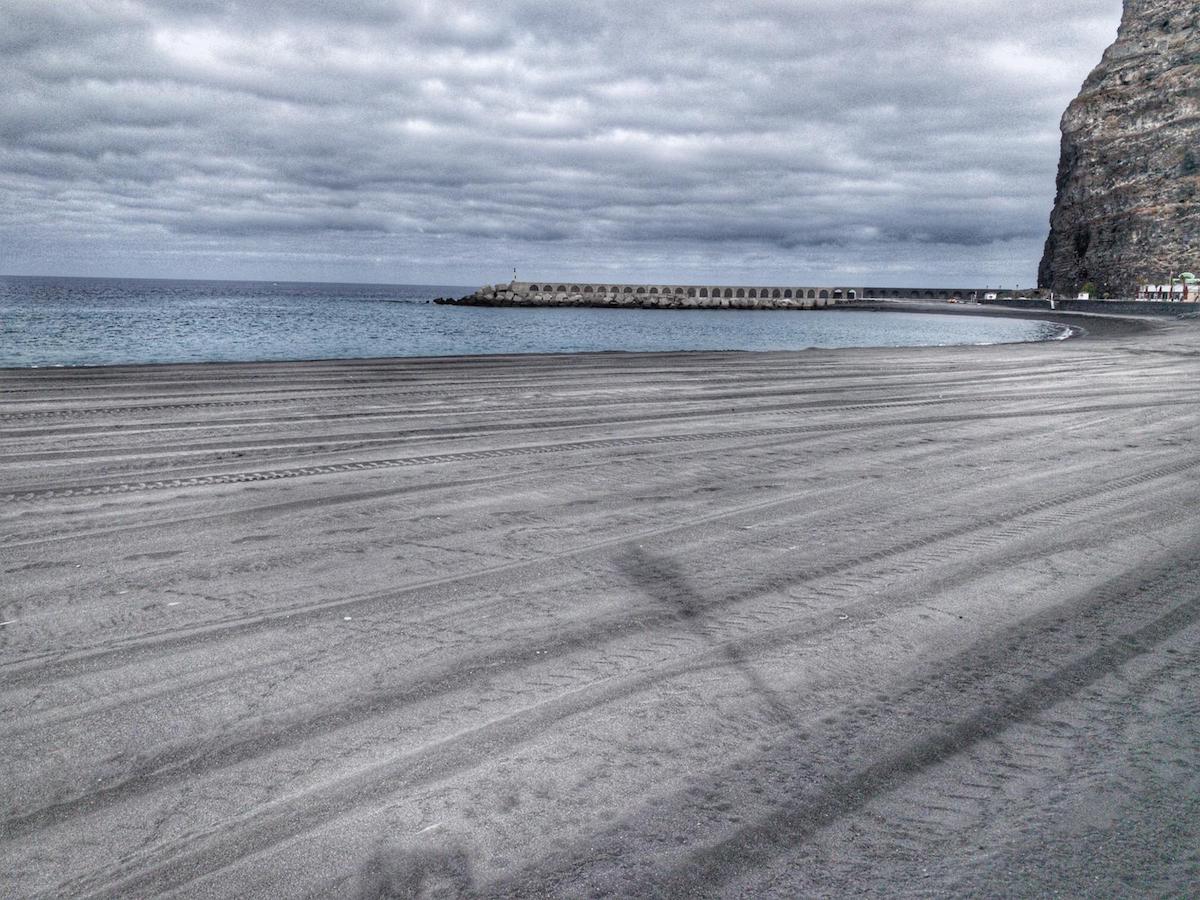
column 914, row 621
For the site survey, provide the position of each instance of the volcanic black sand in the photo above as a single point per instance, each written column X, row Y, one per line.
column 893, row 622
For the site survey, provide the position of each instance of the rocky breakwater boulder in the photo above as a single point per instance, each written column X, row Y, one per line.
column 506, row 295
column 1128, row 204
column 489, row 295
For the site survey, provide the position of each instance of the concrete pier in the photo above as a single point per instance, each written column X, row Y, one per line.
column 702, row 296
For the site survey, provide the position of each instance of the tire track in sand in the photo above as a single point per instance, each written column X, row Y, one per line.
column 228, row 478
column 203, row 853
column 169, row 765
column 1157, row 601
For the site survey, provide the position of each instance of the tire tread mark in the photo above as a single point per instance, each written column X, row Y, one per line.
column 104, row 489
column 205, row 854
column 164, row 766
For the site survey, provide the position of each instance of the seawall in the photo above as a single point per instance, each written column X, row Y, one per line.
column 696, row 296
column 1113, row 307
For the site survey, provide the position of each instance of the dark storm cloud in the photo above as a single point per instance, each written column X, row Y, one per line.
column 412, row 140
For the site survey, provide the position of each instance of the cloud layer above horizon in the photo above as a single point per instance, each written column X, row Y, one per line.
column 843, row 140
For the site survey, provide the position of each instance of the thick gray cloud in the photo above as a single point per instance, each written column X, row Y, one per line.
column 442, row 140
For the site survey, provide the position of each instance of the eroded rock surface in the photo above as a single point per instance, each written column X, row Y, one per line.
column 1128, row 204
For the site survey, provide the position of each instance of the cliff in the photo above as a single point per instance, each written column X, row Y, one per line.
column 1128, row 204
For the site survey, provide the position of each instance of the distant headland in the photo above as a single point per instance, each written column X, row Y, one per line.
column 1127, row 214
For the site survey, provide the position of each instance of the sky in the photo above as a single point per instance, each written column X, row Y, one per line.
column 869, row 142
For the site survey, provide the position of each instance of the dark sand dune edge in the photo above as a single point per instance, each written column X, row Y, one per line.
column 883, row 621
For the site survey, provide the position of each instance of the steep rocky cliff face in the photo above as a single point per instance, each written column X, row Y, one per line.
column 1128, row 205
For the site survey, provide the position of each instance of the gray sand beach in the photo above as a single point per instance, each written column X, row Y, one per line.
column 884, row 622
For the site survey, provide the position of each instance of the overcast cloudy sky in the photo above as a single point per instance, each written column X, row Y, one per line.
column 868, row 141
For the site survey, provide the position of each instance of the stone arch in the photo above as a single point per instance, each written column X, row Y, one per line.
column 776, row 294
column 740, row 293
column 729, row 293
column 574, row 289
column 751, row 293
column 851, row 295
column 640, row 290
column 824, row 295
column 787, row 294
column 679, row 292
column 703, row 292
column 534, row 287
column 653, row 290
column 587, row 288
column 837, row 294
column 929, row 295
column 812, row 294
column 628, row 290
column 562, row 288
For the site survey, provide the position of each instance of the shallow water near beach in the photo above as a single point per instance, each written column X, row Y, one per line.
column 101, row 321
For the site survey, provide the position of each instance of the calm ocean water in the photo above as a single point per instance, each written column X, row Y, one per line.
column 100, row 321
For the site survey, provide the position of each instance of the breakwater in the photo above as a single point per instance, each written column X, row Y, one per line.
column 697, row 296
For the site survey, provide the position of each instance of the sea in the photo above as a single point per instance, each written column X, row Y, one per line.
column 115, row 321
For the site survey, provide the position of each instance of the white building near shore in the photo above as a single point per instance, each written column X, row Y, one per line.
column 1185, row 290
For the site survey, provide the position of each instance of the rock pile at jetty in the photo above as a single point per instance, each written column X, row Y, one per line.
column 507, row 295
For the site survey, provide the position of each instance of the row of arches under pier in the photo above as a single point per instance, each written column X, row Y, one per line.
column 730, row 293
column 926, row 294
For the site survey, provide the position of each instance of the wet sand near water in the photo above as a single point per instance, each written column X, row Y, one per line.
column 883, row 622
